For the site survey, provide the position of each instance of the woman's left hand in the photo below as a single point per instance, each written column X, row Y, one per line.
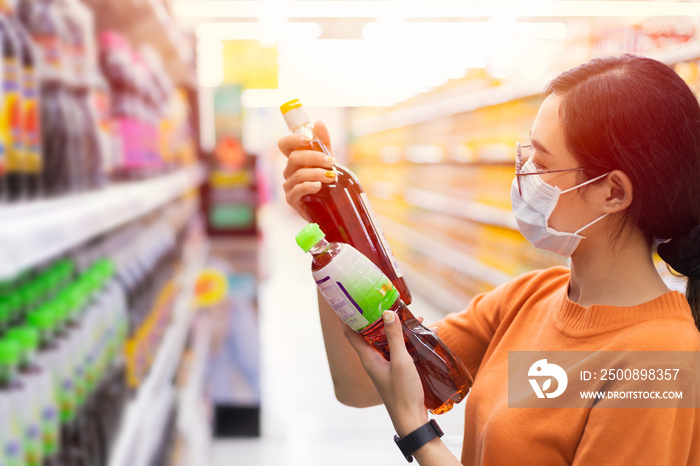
column 397, row 381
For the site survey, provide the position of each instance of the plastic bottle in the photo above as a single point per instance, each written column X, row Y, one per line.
column 342, row 209
column 359, row 293
column 11, row 404
column 47, row 358
column 38, row 386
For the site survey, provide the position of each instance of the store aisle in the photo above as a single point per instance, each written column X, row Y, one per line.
column 302, row 422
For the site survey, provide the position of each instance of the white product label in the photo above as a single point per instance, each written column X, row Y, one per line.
column 382, row 238
column 341, row 303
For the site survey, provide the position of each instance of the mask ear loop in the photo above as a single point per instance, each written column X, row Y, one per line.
column 585, row 183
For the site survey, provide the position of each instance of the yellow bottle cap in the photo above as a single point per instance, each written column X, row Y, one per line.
column 291, row 105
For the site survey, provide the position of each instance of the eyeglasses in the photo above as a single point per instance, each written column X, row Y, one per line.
column 519, row 166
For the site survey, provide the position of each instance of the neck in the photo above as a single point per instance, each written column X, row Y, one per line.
column 615, row 275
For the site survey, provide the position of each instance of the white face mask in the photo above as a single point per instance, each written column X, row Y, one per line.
column 533, row 209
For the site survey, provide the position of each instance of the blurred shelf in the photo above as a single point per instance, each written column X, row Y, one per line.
column 192, row 422
column 444, row 253
column 453, row 104
column 431, row 290
column 135, row 442
column 469, row 210
column 35, row 232
column 678, row 53
column 149, row 22
column 444, row 106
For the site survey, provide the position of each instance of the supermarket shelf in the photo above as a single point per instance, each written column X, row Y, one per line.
column 39, row 231
column 444, row 253
column 135, row 443
column 431, row 290
column 469, row 210
column 192, row 421
column 678, row 53
column 453, row 104
column 182, row 71
column 447, row 106
column 149, row 22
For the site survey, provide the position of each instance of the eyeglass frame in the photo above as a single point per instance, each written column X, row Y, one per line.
column 519, row 166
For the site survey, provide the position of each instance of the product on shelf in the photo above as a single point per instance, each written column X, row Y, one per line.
column 10, row 116
column 152, row 133
column 41, row 408
column 359, row 292
column 12, row 400
column 74, row 118
column 342, row 209
column 71, row 322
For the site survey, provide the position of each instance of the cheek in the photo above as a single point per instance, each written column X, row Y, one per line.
column 570, row 213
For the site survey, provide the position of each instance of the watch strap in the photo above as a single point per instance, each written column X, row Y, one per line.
column 416, row 439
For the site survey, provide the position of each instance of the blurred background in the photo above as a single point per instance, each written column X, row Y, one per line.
column 148, row 270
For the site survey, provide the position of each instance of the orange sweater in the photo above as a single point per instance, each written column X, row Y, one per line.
column 533, row 313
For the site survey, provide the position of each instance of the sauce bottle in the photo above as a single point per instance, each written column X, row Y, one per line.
column 342, row 209
column 359, row 293
column 10, row 118
column 28, row 131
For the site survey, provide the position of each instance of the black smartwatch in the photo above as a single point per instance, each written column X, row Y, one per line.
column 416, row 439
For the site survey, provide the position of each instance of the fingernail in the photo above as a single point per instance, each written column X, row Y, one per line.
column 388, row 316
column 330, row 174
column 329, row 160
column 316, row 184
column 305, row 139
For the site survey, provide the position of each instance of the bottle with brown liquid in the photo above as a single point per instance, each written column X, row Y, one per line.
column 342, row 209
column 359, row 293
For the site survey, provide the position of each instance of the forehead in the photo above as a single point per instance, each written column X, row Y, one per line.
column 547, row 128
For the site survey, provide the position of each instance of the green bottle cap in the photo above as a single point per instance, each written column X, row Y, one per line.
column 70, row 299
column 27, row 337
column 309, row 236
column 389, row 300
column 42, row 319
column 9, row 352
column 62, row 310
column 107, row 268
column 5, row 310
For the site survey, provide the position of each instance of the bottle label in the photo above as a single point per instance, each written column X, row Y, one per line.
column 354, row 287
column 30, row 123
column 66, row 400
column 50, row 427
column 341, row 302
column 11, row 116
column 380, row 232
column 13, row 453
column 32, row 445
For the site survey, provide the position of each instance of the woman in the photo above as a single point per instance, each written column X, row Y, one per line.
column 614, row 156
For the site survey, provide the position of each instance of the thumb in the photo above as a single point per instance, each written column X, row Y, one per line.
column 394, row 336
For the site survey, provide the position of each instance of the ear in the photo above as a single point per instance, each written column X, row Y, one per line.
column 617, row 192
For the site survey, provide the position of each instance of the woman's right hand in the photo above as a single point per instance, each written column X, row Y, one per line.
column 306, row 169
